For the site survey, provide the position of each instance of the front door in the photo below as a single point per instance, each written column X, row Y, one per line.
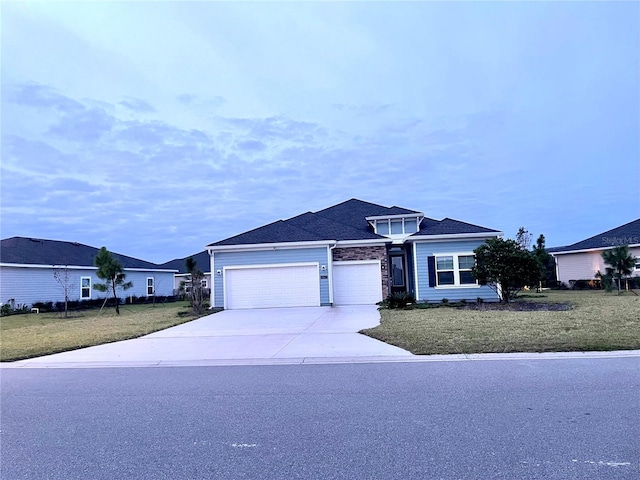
column 397, row 274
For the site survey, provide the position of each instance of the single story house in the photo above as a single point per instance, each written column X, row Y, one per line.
column 28, row 265
column 581, row 260
column 182, row 278
column 354, row 252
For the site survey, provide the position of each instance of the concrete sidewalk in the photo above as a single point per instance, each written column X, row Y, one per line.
column 276, row 335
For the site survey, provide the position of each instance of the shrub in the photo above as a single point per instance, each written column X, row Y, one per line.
column 399, row 300
column 593, row 284
column 43, row 307
column 445, row 301
column 7, row 309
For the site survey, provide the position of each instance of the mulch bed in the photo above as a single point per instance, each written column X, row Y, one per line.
column 519, row 307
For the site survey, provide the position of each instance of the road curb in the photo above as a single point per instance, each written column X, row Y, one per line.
column 523, row 356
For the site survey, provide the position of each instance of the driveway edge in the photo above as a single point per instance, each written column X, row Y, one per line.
column 330, row 360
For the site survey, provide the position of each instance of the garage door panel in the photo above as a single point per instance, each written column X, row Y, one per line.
column 272, row 286
column 357, row 283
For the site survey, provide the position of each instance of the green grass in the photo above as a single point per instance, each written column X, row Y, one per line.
column 597, row 321
column 32, row 335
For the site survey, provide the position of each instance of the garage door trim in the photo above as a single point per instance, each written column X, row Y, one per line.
column 359, row 262
column 265, row 266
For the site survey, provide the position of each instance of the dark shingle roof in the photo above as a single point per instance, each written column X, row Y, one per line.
column 628, row 234
column 344, row 221
column 37, row 251
column 276, row 232
column 449, row 226
column 330, row 229
column 202, row 260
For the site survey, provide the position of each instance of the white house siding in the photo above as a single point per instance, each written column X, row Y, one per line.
column 27, row 285
column 584, row 265
column 454, row 294
column 179, row 278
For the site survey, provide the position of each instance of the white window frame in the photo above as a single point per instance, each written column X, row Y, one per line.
column 82, row 297
column 404, row 230
column 153, row 286
column 456, row 270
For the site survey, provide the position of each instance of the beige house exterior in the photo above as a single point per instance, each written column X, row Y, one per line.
column 582, row 260
column 584, row 265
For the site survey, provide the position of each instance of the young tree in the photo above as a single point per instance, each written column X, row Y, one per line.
column 546, row 261
column 196, row 295
column 523, row 238
column 505, row 266
column 62, row 276
column 110, row 270
column 620, row 263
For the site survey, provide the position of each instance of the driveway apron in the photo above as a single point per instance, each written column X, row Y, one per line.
column 276, row 334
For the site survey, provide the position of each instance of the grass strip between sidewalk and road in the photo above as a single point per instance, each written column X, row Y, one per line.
column 596, row 321
column 32, row 335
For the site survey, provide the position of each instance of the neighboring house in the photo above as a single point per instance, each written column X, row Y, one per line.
column 182, row 278
column 27, row 267
column 352, row 253
column 583, row 259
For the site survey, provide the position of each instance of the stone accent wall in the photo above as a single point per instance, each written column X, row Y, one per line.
column 366, row 253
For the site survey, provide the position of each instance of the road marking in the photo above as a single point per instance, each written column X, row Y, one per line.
column 244, row 445
column 605, row 464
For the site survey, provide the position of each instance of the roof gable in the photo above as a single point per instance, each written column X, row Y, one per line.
column 342, row 222
column 331, row 229
column 449, row 226
column 276, row 232
column 202, row 260
column 37, row 251
column 628, row 234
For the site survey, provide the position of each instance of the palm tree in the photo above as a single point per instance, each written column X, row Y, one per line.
column 620, row 263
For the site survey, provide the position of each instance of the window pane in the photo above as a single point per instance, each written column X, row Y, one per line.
column 445, row 278
column 466, row 262
column 397, row 272
column 444, row 263
column 466, row 278
column 150, row 282
column 383, row 228
column 86, row 282
column 410, row 226
column 396, row 226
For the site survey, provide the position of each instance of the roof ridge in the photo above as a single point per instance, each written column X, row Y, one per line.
column 602, row 234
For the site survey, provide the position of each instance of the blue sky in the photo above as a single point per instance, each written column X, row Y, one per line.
column 157, row 128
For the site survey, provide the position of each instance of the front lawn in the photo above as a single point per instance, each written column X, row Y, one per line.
column 32, row 335
column 593, row 320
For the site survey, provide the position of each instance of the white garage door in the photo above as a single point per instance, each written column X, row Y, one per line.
column 272, row 286
column 357, row 283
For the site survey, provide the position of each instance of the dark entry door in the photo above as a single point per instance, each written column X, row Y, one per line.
column 397, row 273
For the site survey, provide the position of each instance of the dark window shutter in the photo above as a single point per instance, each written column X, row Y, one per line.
column 431, row 263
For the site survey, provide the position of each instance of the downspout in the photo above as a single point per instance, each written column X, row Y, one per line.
column 213, row 279
column 414, row 247
column 330, row 270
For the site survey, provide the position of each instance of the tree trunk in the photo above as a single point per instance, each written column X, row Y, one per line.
column 115, row 297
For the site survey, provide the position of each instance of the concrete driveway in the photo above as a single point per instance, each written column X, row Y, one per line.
column 279, row 335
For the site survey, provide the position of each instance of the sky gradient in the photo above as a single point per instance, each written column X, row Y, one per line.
column 156, row 128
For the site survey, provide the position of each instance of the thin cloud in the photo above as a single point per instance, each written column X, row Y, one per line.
column 84, row 126
column 42, row 96
column 137, row 105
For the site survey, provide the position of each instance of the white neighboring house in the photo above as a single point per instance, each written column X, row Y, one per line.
column 27, row 267
column 583, row 259
column 182, row 278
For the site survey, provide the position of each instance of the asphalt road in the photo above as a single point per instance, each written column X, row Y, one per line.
column 533, row 419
